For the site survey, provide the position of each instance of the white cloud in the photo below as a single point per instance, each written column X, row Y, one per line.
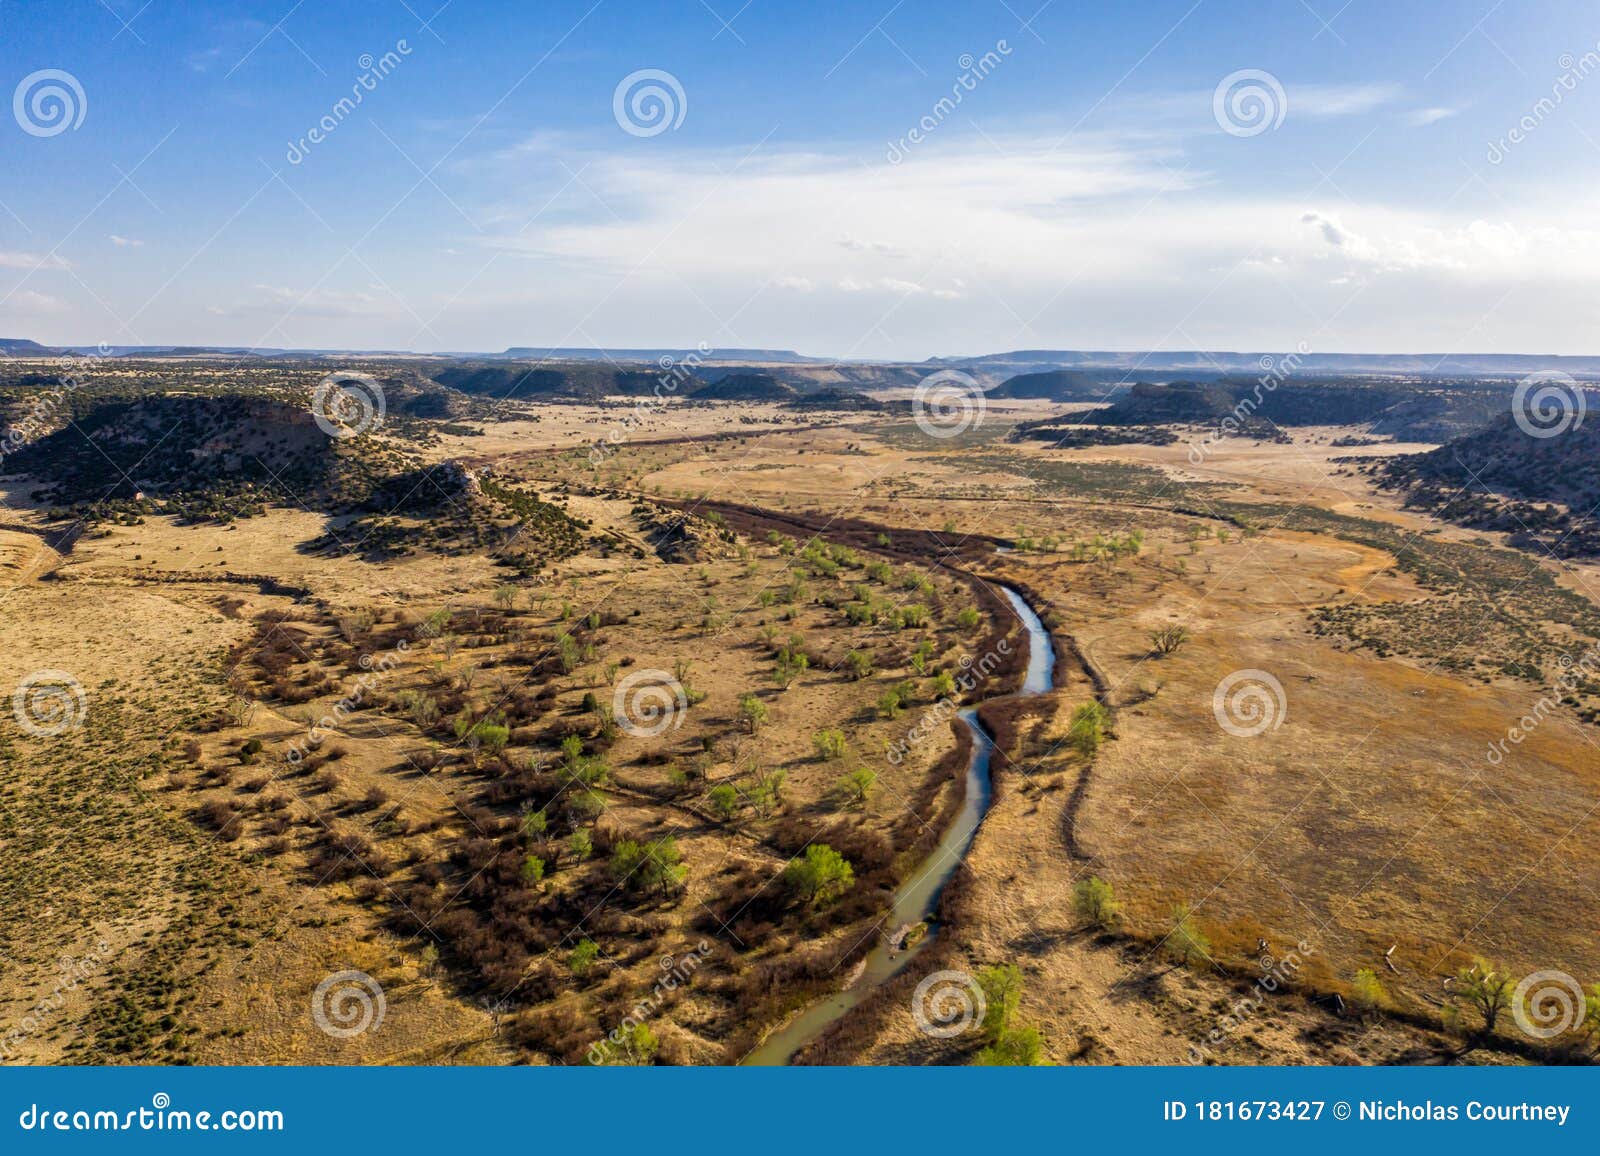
column 1422, row 117
column 125, row 242
column 1112, row 242
column 1326, row 101
column 27, row 301
column 31, row 261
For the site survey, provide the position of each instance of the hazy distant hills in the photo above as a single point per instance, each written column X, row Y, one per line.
column 988, row 368
column 1407, row 411
column 1200, row 363
column 657, row 356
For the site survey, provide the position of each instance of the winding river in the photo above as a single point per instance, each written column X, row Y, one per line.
column 919, row 895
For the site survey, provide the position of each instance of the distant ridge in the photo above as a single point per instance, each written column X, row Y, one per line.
column 22, row 347
column 529, row 353
column 990, row 368
column 1202, row 363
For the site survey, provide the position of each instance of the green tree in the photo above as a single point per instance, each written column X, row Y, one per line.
column 1015, row 1048
column 1185, row 942
column 581, row 844
column 1487, row 990
column 752, row 712
column 635, row 1047
column 655, row 867
column 1002, row 992
column 1094, row 902
column 1087, row 728
column 532, row 870
column 820, row 876
column 829, row 743
column 581, row 959
column 724, row 801
column 859, row 784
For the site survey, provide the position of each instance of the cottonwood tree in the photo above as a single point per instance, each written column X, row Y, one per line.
column 1093, row 900
column 1487, row 990
column 820, row 876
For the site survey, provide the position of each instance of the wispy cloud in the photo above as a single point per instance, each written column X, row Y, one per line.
column 16, row 260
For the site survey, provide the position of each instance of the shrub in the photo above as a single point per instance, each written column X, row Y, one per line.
column 1367, row 993
column 1185, row 942
column 858, row 785
column 1018, row 1048
column 724, row 801
column 1094, row 902
column 653, row 867
column 1002, row 992
column 582, row 957
column 829, row 743
column 820, row 876
column 1168, row 639
column 1087, row 728
column 752, row 712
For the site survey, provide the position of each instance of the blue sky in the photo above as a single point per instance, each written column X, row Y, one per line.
column 1083, row 193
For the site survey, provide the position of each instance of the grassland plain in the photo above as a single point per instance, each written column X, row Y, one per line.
column 297, row 760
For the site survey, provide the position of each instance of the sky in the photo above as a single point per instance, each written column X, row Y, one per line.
column 868, row 180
